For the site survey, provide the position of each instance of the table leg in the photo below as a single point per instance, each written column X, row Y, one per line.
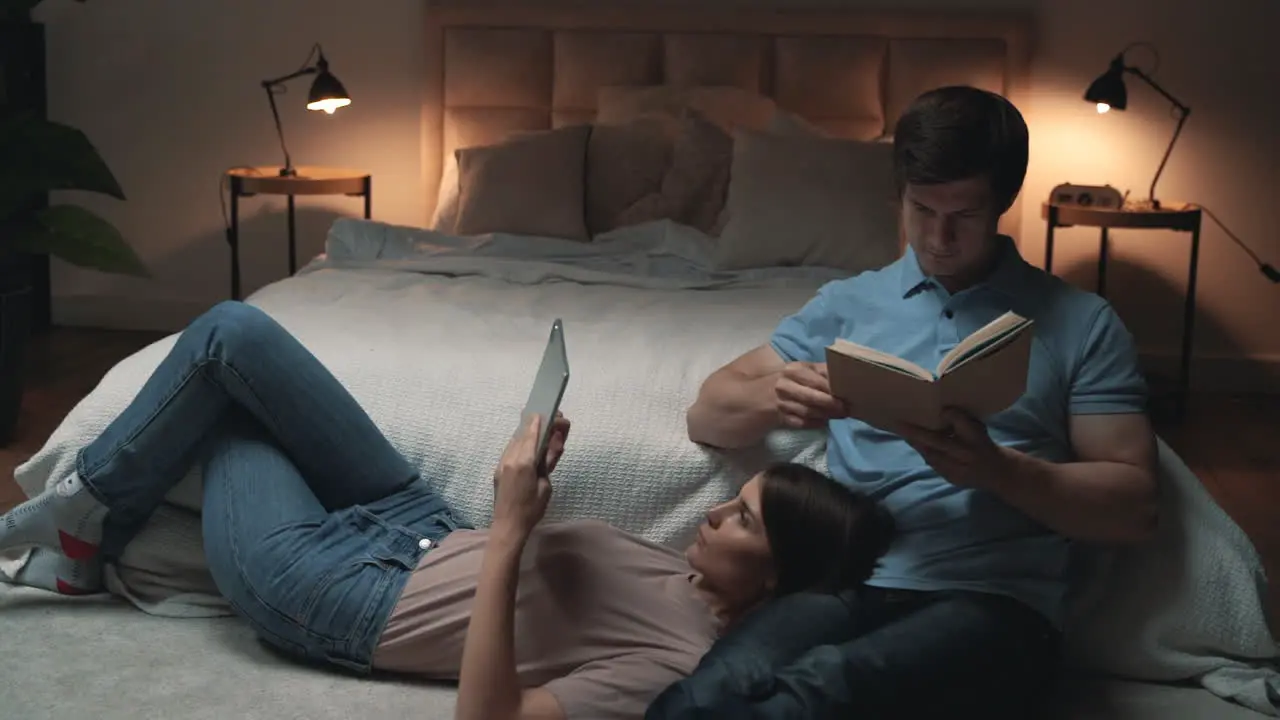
column 1188, row 321
column 1104, row 249
column 293, row 241
column 1048, row 240
column 368, row 198
column 233, row 238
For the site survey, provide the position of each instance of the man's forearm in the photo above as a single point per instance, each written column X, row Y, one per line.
column 488, row 687
column 733, row 411
column 1088, row 501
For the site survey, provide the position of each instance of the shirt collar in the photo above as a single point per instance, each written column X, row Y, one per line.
column 1005, row 278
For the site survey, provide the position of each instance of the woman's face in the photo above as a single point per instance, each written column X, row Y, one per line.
column 731, row 551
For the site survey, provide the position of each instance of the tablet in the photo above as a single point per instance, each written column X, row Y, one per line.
column 548, row 389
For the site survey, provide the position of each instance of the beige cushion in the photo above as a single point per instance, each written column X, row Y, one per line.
column 625, row 163
column 835, row 81
column 728, row 107
column 468, row 128
column 694, row 187
column 804, row 200
column 531, row 184
column 784, row 122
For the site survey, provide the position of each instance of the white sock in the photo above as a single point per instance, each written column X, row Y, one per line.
column 51, row 570
column 65, row 517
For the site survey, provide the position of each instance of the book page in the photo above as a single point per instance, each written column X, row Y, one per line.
column 983, row 340
column 986, row 385
column 883, row 359
column 985, row 349
column 880, row 395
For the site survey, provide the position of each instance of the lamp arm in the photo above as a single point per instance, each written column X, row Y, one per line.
column 1155, row 86
column 270, row 87
column 286, row 78
column 1182, row 119
column 288, row 162
column 1183, row 112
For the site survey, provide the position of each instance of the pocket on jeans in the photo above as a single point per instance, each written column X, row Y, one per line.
column 340, row 599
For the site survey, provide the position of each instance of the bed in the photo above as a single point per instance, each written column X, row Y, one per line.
column 437, row 333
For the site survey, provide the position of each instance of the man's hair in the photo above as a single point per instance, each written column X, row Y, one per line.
column 959, row 132
column 825, row 536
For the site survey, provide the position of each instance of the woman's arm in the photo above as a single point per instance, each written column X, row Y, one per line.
column 489, row 688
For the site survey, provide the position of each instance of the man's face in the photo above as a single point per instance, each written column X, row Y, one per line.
column 952, row 228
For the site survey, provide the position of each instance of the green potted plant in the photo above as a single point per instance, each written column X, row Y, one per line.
column 41, row 156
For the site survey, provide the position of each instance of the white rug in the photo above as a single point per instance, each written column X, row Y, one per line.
column 101, row 658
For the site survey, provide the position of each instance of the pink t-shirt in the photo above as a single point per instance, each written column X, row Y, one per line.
column 603, row 619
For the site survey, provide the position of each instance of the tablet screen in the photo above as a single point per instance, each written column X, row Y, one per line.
column 548, row 388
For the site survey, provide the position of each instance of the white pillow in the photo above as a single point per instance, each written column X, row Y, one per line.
column 445, row 218
column 787, row 123
column 804, row 200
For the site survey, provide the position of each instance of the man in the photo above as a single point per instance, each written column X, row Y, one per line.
column 965, row 610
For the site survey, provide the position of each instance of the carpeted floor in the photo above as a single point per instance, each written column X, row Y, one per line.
column 147, row 668
column 163, row 669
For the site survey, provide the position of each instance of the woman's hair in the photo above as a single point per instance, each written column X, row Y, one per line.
column 825, row 537
column 959, row 132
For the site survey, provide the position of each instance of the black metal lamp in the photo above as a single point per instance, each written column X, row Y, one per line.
column 327, row 94
column 1109, row 92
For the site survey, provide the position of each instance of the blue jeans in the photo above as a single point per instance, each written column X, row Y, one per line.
column 312, row 521
column 874, row 654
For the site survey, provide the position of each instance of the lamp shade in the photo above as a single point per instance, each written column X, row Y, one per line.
column 327, row 93
column 1108, row 90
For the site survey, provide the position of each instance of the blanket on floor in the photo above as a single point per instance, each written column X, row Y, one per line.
column 1187, row 606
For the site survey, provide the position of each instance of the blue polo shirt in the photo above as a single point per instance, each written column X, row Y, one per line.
column 1083, row 361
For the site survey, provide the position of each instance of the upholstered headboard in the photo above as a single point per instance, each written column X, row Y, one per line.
column 498, row 68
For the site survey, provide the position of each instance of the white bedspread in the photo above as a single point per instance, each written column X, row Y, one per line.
column 439, row 338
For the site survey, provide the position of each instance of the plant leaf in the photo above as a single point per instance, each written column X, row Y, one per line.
column 81, row 238
column 40, row 156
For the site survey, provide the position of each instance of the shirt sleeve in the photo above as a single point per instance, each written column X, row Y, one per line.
column 804, row 335
column 1107, row 377
column 619, row 687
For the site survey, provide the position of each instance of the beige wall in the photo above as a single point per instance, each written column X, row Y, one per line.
column 169, row 92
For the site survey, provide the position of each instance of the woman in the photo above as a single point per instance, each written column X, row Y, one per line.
column 328, row 542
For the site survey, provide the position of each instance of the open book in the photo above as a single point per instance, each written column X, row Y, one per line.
column 984, row 374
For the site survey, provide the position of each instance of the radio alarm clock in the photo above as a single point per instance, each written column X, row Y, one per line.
column 1103, row 197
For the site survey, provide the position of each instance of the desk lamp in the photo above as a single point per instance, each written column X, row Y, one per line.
column 326, row 94
column 1108, row 92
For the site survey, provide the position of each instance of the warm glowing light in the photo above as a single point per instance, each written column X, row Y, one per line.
column 1102, row 107
column 329, row 104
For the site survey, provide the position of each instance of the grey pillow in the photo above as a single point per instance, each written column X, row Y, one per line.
column 527, row 185
column 803, row 200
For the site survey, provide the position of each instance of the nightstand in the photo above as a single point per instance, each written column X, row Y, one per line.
column 1170, row 216
column 247, row 182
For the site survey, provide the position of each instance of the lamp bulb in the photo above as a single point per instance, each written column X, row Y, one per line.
column 1103, row 107
column 329, row 105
